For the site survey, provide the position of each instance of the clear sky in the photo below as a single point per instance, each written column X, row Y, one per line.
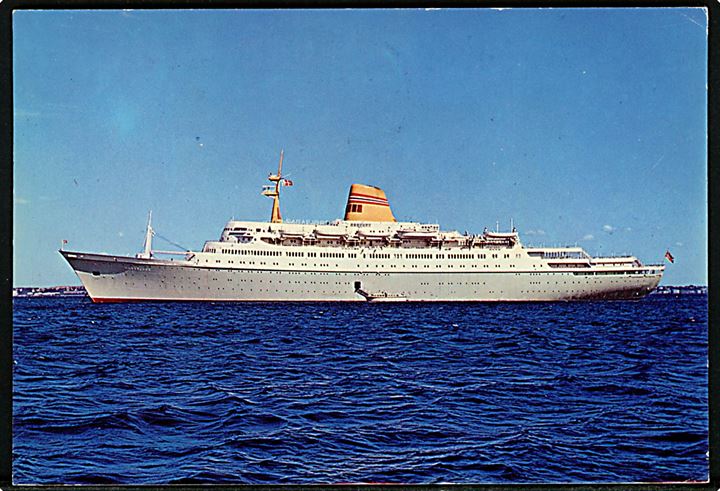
column 585, row 126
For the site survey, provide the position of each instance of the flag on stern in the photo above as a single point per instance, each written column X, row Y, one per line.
column 669, row 257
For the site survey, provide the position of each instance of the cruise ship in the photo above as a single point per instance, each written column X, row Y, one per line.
column 368, row 256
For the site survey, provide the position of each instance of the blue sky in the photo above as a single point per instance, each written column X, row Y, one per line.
column 584, row 126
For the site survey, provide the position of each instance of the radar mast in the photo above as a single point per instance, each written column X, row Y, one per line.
column 273, row 191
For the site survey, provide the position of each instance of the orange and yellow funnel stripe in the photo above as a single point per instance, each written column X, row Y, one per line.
column 368, row 204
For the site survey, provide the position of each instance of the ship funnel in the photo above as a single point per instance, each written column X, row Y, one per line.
column 368, row 204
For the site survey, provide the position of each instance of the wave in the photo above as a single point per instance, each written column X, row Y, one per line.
column 313, row 394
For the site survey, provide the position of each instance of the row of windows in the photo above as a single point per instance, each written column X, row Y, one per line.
column 341, row 255
column 417, row 256
column 569, row 265
column 592, row 273
column 557, row 254
column 241, row 229
column 244, row 252
column 332, row 254
column 462, row 256
column 354, row 208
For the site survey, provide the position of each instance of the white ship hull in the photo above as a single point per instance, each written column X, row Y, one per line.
column 110, row 278
column 367, row 256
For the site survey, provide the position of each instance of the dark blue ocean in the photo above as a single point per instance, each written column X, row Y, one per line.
column 337, row 393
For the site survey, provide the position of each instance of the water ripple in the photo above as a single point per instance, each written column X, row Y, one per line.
column 324, row 393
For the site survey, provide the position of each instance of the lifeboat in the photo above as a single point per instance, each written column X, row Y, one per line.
column 290, row 235
column 373, row 235
column 329, row 233
column 501, row 235
column 417, row 234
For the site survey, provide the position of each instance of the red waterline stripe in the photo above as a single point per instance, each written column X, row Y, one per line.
column 135, row 300
column 361, row 300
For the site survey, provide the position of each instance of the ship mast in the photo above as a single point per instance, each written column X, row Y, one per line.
column 147, row 246
column 274, row 191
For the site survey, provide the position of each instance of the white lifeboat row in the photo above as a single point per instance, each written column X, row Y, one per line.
column 331, row 233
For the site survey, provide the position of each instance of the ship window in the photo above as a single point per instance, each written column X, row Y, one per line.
column 359, row 208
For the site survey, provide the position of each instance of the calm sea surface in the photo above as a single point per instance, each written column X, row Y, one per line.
column 328, row 393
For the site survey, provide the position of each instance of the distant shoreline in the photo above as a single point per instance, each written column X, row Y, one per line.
column 49, row 291
column 680, row 290
column 79, row 291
